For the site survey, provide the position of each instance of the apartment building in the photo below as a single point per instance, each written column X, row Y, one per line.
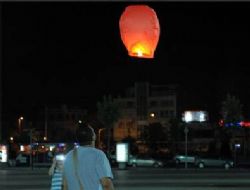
column 58, row 122
column 142, row 104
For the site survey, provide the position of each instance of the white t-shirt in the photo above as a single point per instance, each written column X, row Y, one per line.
column 91, row 167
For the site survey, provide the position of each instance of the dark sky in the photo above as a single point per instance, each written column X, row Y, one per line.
column 72, row 52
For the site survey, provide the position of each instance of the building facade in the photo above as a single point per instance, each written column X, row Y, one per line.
column 143, row 104
column 57, row 123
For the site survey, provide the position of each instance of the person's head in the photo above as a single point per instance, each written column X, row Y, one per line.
column 85, row 134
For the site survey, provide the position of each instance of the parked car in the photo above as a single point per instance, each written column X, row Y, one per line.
column 180, row 159
column 22, row 159
column 112, row 158
column 214, row 162
column 144, row 160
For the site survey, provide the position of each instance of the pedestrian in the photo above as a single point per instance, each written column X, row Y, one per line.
column 86, row 167
column 56, row 168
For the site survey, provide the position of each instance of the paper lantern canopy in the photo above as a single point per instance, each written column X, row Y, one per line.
column 140, row 30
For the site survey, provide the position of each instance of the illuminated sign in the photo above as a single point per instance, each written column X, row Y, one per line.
column 237, row 145
column 21, row 148
column 122, row 152
column 3, row 153
column 236, row 124
column 199, row 116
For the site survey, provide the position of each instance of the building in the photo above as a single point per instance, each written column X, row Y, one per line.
column 57, row 121
column 144, row 103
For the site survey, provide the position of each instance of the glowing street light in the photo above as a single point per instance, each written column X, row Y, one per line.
column 152, row 115
column 99, row 135
column 20, row 120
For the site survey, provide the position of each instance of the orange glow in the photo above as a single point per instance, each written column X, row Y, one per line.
column 140, row 50
column 140, row 30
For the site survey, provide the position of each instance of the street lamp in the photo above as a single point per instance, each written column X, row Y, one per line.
column 152, row 115
column 20, row 119
column 189, row 116
column 31, row 132
column 236, row 147
column 186, row 134
column 99, row 136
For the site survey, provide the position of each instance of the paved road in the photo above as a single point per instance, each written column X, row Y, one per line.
column 138, row 179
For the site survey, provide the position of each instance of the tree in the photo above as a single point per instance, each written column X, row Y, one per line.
column 152, row 134
column 108, row 112
column 176, row 132
column 231, row 109
column 231, row 112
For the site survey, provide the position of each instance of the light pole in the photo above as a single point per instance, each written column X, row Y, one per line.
column 99, row 136
column 1, row 73
column 45, row 123
column 31, row 148
column 30, row 135
column 236, row 147
column 20, row 119
column 152, row 115
column 186, row 144
column 11, row 139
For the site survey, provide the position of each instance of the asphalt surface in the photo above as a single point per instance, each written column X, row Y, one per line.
column 138, row 179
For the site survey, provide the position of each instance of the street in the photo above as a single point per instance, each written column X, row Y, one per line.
column 138, row 179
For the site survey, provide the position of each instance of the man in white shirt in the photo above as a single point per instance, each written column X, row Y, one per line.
column 86, row 167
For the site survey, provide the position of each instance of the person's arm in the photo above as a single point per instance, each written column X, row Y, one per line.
column 104, row 172
column 52, row 167
column 107, row 183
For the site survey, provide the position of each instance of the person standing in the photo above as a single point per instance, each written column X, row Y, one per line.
column 56, row 168
column 86, row 167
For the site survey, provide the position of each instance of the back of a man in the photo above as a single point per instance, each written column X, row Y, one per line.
column 86, row 167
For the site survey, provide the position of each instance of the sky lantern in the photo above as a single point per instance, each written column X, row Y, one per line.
column 140, row 30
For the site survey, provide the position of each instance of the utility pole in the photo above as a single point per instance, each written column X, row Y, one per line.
column 31, row 149
column 186, row 144
column 46, row 123
column 30, row 131
column 1, row 73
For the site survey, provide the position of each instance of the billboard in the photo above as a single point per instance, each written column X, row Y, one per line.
column 198, row 116
column 122, row 152
column 3, row 153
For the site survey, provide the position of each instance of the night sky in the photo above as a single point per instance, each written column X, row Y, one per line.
column 71, row 52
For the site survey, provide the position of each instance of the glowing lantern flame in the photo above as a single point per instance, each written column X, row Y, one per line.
column 140, row 30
